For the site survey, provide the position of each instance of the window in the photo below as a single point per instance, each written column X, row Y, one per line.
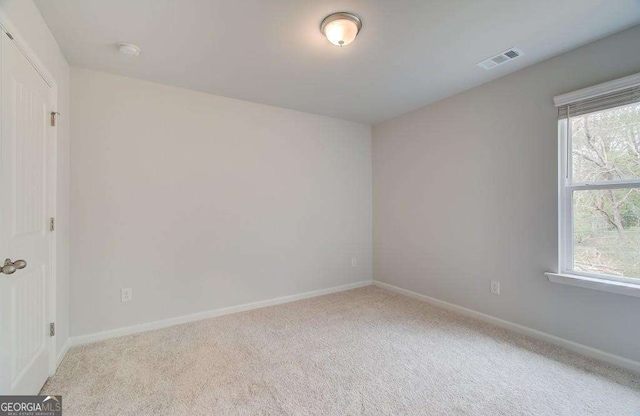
column 600, row 185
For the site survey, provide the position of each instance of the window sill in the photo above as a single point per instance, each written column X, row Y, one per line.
column 621, row 288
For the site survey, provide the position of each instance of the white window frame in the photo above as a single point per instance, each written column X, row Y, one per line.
column 566, row 274
column 566, row 206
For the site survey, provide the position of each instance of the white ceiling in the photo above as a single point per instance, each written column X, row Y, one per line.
column 409, row 53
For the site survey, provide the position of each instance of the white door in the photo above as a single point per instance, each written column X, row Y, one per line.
column 24, row 234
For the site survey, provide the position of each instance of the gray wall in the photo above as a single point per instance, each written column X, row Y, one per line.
column 465, row 191
column 27, row 19
column 199, row 202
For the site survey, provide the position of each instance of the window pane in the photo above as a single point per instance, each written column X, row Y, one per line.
column 606, row 145
column 606, row 231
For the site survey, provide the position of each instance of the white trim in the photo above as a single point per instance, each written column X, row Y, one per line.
column 149, row 326
column 521, row 329
column 23, row 46
column 604, row 285
column 598, row 276
column 63, row 352
column 52, row 209
column 596, row 90
column 565, row 199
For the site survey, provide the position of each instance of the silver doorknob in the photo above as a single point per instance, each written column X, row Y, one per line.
column 11, row 267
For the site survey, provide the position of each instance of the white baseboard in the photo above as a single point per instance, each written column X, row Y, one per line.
column 149, row 326
column 521, row 329
column 63, row 352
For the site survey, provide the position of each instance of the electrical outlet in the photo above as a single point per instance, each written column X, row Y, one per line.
column 354, row 262
column 126, row 294
column 495, row 287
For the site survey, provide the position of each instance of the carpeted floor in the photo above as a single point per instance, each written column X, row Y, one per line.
column 362, row 352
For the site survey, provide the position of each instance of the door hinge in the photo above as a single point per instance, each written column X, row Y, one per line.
column 53, row 118
column 52, row 329
column 52, row 224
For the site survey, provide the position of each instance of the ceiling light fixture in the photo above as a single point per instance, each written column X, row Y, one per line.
column 341, row 28
column 128, row 49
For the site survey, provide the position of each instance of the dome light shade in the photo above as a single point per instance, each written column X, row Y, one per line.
column 129, row 49
column 341, row 28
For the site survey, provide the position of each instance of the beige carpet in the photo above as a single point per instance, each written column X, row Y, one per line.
column 362, row 352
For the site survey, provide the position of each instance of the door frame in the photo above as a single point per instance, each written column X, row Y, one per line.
column 52, row 180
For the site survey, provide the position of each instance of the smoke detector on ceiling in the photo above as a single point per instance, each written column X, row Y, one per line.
column 501, row 58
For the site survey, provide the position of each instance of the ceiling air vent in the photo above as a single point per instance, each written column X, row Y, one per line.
column 501, row 58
